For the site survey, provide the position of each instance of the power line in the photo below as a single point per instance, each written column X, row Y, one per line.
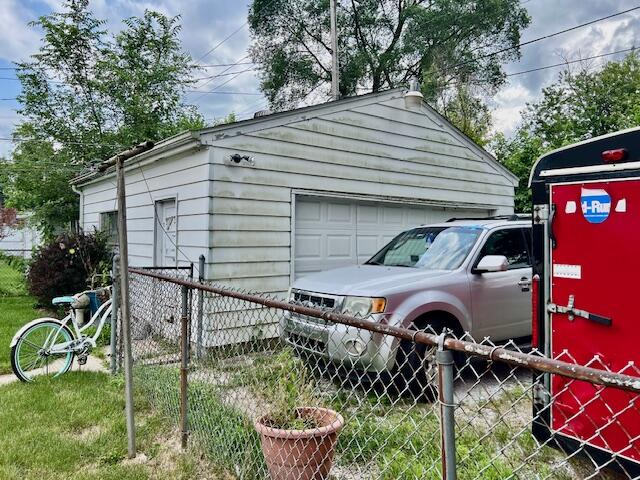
column 570, row 62
column 213, row 49
column 222, row 64
column 218, row 92
column 89, row 144
column 544, row 37
column 227, row 69
column 218, row 74
column 209, row 65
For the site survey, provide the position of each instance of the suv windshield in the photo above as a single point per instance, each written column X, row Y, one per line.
column 433, row 248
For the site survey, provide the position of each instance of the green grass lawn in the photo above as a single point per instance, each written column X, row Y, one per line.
column 73, row 426
column 11, row 281
column 14, row 312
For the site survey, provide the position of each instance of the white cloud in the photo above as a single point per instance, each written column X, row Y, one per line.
column 18, row 40
column 509, row 103
column 206, row 22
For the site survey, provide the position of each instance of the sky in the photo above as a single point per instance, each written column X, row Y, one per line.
column 207, row 22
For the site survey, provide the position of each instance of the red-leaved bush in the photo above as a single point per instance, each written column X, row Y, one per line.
column 65, row 265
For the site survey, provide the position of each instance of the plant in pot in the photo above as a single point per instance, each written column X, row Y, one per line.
column 298, row 437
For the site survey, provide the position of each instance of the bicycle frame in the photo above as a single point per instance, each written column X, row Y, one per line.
column 80, row 340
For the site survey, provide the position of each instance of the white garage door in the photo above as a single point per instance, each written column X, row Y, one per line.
column 331, row 233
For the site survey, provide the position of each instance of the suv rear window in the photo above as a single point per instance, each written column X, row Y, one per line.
column 432, row 248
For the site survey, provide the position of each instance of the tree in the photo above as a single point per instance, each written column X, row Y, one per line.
column 383, row 43
column 467, row 112
column 580, row 105
column 519, row 154
column 87, row 95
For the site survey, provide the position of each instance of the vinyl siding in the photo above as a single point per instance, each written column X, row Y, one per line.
column 186, row 177
column 375, row 150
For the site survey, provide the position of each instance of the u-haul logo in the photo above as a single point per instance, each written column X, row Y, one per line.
column 596, row 205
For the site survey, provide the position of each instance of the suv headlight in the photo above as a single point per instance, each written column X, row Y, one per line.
column 363, row 306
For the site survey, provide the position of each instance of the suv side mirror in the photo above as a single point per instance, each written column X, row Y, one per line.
column 492, row 263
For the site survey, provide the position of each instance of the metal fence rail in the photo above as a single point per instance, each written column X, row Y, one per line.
column 411, row 404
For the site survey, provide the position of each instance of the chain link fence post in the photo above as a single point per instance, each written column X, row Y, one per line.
column 115, row 300
column 200, row 294
column 184, row 365
column 444, row 360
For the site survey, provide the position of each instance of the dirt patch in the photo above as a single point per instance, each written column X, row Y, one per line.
column 171, row 461
column 88, row 434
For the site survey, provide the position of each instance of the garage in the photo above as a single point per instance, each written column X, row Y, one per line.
column 272, row 198
column 332, row 232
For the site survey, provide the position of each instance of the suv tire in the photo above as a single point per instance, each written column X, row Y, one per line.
column 414, row 374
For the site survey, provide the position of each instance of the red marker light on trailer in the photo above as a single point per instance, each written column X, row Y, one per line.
column 614, row 156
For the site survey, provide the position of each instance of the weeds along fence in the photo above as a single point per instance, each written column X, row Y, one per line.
column 415, row 404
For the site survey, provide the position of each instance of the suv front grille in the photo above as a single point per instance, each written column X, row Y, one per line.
column 319, row 301
column 313, row 300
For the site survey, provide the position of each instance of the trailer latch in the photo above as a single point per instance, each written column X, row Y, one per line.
column 573, row 312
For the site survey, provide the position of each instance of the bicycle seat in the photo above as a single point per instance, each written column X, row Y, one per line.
column 66, row 300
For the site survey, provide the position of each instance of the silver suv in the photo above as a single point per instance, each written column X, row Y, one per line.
column 470, row 275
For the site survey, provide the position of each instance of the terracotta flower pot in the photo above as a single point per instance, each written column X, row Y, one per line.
column 301, row 454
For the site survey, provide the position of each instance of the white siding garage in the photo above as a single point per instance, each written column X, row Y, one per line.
column 332, row 232
column 283, row 195
column 273, row 198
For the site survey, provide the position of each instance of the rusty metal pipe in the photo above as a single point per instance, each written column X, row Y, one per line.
column 184, row 366
column 499, row 354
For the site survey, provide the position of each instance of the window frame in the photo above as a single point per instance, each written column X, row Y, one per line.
column 522, row 229
column 102, row 224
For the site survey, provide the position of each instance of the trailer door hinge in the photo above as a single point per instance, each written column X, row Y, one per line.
column 573, row 312
column 540, row 213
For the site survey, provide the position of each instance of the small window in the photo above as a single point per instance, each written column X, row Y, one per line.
column 109, row 224
column 510, row 243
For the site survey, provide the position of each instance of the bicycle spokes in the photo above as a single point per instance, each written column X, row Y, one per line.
column 39, row 353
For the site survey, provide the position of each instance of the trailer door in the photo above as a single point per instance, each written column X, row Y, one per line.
column 594, row 305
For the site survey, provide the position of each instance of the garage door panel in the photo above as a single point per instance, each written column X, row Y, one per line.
column 368, row 215
column 308, row 212
column 368, row 245
column 309, row 246
column 339, row 213
column 340, row 246
column 417, row 217
column 332, row 233
column 392, row 216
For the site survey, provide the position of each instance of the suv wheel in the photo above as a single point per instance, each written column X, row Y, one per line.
column 415, row 373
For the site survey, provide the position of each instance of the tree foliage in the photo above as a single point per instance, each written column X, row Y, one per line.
column 383, row 43
column 87, row 94
column 582, row 104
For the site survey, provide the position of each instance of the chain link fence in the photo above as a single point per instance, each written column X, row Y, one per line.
column 295, row 390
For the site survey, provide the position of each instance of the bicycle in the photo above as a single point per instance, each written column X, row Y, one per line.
column 47, row 346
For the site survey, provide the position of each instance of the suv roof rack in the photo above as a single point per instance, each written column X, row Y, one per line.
column 511, row 218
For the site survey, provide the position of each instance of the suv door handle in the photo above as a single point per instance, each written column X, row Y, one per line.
column 525, row 284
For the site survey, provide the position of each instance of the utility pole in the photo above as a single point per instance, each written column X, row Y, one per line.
column 118, row 160
column 335, row 74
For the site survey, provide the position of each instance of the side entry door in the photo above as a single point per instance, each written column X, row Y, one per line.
column 501, row 301
column 165, row 236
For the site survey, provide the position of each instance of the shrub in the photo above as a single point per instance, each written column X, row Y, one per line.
column 65, row 266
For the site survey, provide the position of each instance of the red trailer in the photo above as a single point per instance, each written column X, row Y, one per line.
column 586, row 251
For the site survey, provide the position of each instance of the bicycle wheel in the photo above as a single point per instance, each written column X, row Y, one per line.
column 31, row 355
